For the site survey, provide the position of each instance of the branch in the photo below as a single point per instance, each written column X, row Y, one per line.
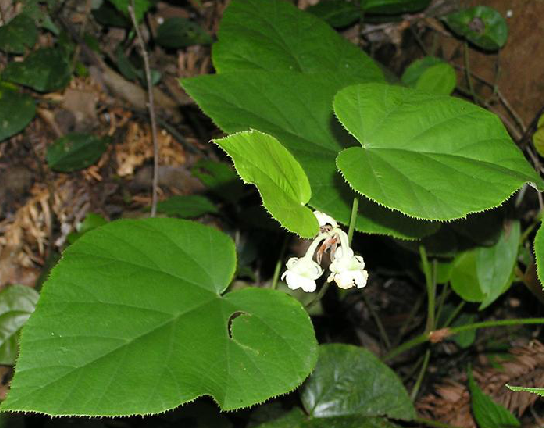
column 151, row 109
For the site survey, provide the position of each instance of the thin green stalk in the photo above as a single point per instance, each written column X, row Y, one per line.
column 279, row 264
column 353, row 219
column 454, row 314
column 441, row 300
column 430, row 289
column 421, row 375
column 467, row 72
column 319, row 296
column 433, row 424
column 422, row 338
column 378, row 321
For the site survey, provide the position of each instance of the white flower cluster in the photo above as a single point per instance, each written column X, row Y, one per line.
column 347, row 269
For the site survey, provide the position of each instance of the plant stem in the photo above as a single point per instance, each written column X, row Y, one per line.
column 430, row 289
column 319, row 295
column 467, row 72
column 150, row 107
column 378, row 321
column 421, row 375
column 353, row 219
column 422, row 338
column 279, row 263
column 454, row 314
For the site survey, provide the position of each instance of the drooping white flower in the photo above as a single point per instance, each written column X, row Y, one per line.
column 347, row 269
column 324, row 219
column 302, row 273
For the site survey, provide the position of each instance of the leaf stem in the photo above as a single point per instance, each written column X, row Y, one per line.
column 421, row 375
column 422, row 338
column 279, row 263
column 353, row 219
column 429, row 283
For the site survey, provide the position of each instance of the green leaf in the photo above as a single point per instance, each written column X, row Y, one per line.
column 481, row 25
column 220, row 179
column 487, row 413
column 178, row 32
column 130, row 72
column 140, row 7
column 278, row 103
column 44, row 70
column 337, row 13
column 538, row 391
column 495, row 265
column 17, row 302
column 464, row 279
column 274, row 35
column 279, row 418
column 538, row 136
column 349, row 422
column 430, row 74
column 419, row 149
column 108, row 15
column 92, row 221
column 133, row 320
column 465, row 338
column 282, row 183
column 484, row 273
column 16, row 111
column 394, row 7
column 18, row 34
column 187, row 206
column 75, row 151
column 348, row 380
column 539, row 253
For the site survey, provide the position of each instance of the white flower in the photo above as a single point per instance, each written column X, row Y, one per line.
column 324, row 219
column 302, row 273
column 347, row 269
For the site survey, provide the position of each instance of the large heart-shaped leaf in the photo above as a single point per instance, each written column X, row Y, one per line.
column 290, row 97
column 16, row 111
column 297, row 110
column 133, row 320
column 351, row 381
column 261, row 160
column 274, row 35
column 428, row 156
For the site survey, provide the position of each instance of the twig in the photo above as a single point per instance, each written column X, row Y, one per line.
column 151, row 108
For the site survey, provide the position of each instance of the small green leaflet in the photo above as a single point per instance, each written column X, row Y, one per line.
column 18, row 34
column 418, row 150
column 539, row 253
column 430, row 74
column 140, row 7
column 261, row 160
column 135, row 320
column 481, row 25
column 178, row 32
column 485, row 273
column 17, row 302
column 75, row 151
column 16, row 111
column 44, row 70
